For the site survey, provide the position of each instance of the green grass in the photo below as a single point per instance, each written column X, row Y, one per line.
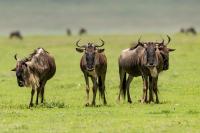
column 64, row 111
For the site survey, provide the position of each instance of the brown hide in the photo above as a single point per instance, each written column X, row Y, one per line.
column 37, row 69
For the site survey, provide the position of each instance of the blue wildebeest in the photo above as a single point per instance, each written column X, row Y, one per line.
column 82, row 31
column 94, row 65
column 68, row 31
column 34, row 71
column 189, row 30
column 146, row 59
column 16, row 34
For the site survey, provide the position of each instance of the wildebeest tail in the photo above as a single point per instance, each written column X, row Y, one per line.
column 123, row 89
column 101, row 89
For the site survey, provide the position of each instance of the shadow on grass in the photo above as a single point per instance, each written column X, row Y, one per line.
column 52, row 104
column 161, row 102
column 97, row 106
column 161, row 112
column 192, row 112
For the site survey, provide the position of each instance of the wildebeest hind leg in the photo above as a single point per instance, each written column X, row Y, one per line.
column 130, row 78
column 42, row 92
column 87, row 90
column 94, row 80
column 155, row 88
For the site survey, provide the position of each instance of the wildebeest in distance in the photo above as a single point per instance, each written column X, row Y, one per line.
column 190, row 30
column 146, row 59
column 94, row 65
column 34, row 71
column 82, row 31
column 16, row 34
column 68, row 32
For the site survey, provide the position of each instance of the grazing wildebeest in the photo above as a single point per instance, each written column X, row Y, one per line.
column 34, row 71
column 82, row 31
column 16, row 34
column 189, row 30
column 146, row 59
column 68, row 31
column 94, row 65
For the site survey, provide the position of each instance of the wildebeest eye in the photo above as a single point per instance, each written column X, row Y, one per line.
column 24, row 64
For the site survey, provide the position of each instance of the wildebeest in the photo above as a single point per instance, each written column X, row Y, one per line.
column 16, row 34
column 34, row 71
column 94, row 65
column 189, row 30
column 82, row 31
column 68, row 31
column 146, row 59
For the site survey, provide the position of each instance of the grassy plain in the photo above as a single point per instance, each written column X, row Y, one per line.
column 64, row 111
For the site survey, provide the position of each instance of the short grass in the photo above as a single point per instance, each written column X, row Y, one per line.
column 64, row 111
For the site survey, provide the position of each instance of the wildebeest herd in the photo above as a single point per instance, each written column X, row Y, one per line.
column 18, row 35
column 145, row 59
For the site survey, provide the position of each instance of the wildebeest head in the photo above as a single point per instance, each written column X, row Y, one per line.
column 21, row 70
column 90, row 52
column 164, row 51
column 150, row 58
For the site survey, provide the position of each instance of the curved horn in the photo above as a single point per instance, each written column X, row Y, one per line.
column 77, row 44
column 15, row 56
column 162, row 41
column 139, row 40
column 169, row 39
column 101, row 43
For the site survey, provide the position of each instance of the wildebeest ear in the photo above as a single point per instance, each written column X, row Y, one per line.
column 14, row 69
column 100, row 50
column 170, row 49
column 143, row 45
column 80, row 50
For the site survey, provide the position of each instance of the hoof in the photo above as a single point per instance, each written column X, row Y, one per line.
column 87, row 104
column 130, row 101
column 157, row 102
column 30, row 105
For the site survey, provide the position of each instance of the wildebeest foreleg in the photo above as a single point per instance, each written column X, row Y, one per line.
column 42, row 91
column 87, row 90
column 38, row 92
column 155, row 88
column 130, row 78
column 145, row 86
column 151, row 86
column 32, row 94
column 94, row 80
column 42, row 94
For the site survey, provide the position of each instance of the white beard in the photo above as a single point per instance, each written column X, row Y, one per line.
column 153, row 72
column 92, row 73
